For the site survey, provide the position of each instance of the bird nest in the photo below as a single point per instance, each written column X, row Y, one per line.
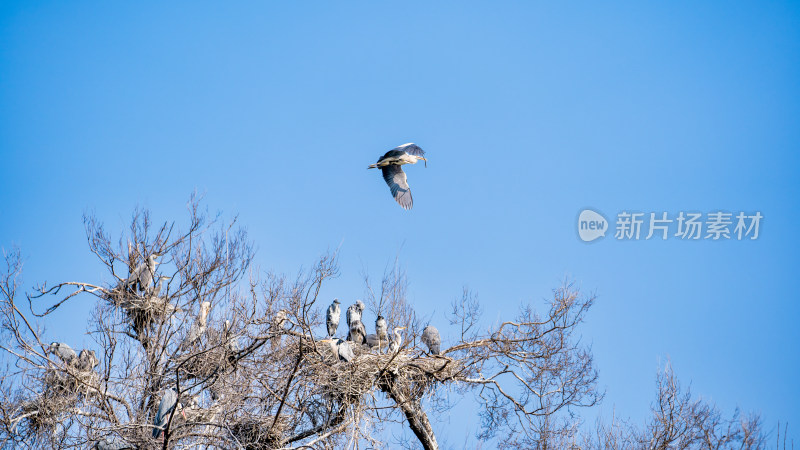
column 209, row 361
column 349, row 381
column 62, row 388
column 142, row 310
column 258, row 434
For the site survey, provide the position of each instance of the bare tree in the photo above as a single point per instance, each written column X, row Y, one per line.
column 247, row 358
column 679, row 422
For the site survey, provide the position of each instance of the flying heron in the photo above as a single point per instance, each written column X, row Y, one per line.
column 397, row 342
column 168, row 402
column 391, row 165
column 332, row 317
column 430, row 336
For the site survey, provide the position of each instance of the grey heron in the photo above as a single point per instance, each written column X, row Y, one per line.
column 332, row 317
column 279, row 322
column 372, row 340
column 355, row 311
column 160, row 285
column 142, row 275
column 430, row 336
column 233, row 345
column 397, row 342
column 340, row 349
column 345, row 351
column 64, row 352
column 391, row 165
column 198, row 328
column 113, row 443
column 281, row 319
column 358, row 333
column 168, row 402
column 381, row 330
column 87, row 360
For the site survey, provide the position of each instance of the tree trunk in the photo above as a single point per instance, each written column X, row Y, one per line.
column 417, row 419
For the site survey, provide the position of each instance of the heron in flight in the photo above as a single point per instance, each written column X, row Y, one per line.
column 391, row 165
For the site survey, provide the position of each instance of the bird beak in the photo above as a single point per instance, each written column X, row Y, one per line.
column 426, row 161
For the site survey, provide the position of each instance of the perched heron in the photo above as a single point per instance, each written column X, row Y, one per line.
column 279, row 323
column 282, row 319
column 198, row 328
column 372, row 340
column 161, row 280
column 113, row 443
column 142, row 276
column 340, row 349
column 168, row 402
column 381, row 330
column 64, row 352
column 87, row 360
column 358, row 332
column 397, row 342
column 355, row 311
column 233, row 344
column 345, row 351
column 391, row 165
column 332, row 317
column 430, row 336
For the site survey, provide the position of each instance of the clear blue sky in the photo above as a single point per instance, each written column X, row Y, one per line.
column 528, row 112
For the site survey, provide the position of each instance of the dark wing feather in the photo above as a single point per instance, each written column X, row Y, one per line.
column 391, row 154
column 398, row 183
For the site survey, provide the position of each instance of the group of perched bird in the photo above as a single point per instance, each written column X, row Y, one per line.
column 85, row 361
column 357, row 333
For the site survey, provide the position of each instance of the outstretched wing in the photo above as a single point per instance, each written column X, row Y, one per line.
column 410, row 148
column 396, row 179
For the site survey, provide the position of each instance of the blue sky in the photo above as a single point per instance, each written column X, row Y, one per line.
column 528, row 112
